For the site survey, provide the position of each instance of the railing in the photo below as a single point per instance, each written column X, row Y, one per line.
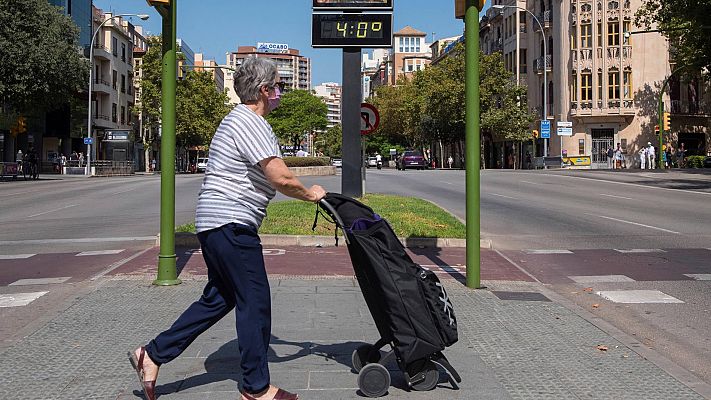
column 112, row 168
column 539, row 63
column 545, row 19
column 101, row 116
column 522, row 27
column 99, row 81
column 689, row 107
column 497, row 45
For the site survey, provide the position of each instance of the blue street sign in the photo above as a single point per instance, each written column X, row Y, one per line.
column 88, row 140
column 546, row 129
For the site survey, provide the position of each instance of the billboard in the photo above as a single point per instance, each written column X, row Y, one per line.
column 263, row 47
column 354, row 4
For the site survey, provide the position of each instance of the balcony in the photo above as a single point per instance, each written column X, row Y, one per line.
column 102, row 121
column 102, row 86
column 690, row 108
column 611, row 107
column 101, row 52
column 545, row 19
column 538, row 64
column 497, row 45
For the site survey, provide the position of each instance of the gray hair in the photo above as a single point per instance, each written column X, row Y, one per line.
column 252, row 75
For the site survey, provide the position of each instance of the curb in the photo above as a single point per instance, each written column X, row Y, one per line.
column 183, row 239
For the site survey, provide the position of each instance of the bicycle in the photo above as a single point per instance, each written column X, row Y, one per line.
column 30, row 169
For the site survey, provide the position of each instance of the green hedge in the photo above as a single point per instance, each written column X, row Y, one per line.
column 695, row 162
column 307, row 161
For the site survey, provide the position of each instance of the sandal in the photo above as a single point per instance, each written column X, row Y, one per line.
column 149, row 387
column 280, row 395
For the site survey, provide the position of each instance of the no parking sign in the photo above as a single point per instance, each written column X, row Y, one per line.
column 369, row 118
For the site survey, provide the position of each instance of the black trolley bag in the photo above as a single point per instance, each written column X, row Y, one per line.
column 409, row 305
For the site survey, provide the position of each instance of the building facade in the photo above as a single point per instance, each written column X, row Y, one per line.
column 330, row 93
column 218, row 74
column 294, row 68
column 81, row 13
column 602, row 79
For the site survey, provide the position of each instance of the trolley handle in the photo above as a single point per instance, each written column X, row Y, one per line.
column 339, row 222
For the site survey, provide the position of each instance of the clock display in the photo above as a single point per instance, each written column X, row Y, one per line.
column 352, row 30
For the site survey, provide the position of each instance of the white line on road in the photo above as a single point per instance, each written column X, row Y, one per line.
column 634, row 223
column 51, row 211
column 40, row 281
column 124, row 191
column 19, row 299
column 15, row 194
column 547, row 251
column 532, row 183
column 80, row 240
column 98, row 252
column 501, row 195
column 629, row 184
column 15, row 256
column 118, row 264
column 634, row 251
column 616, row 197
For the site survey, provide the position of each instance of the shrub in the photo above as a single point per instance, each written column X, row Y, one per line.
column 306, row 161
column 695, row 162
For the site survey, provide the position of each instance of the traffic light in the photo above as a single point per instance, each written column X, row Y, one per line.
column 460, row 7
column 667, row 121
column 536, row 135
column 21, row 125
column 656, row 130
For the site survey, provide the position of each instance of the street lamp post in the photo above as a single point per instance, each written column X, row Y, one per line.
column 91, row 70
column 545, row 67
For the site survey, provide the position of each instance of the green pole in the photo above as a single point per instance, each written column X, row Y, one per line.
column 473, row 144
column 167, row 273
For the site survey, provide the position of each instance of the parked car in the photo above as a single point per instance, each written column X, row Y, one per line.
column 411, row 159
column 201, row 164
column 337, row 162
column 707, row 162
column 371, row 162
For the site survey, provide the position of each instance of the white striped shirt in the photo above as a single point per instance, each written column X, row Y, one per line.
column 234, row 188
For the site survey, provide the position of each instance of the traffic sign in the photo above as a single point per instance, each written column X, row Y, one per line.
column 545, row 129
column 565, row 131
column 564, row 124
column 88, row 140
column 369, row 118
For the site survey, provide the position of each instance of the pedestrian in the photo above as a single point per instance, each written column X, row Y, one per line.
column 19, row 157
column 450, row 160
column 680, row 155
column 529, row 161
column 618, row 157
column 643, row 157
column 669, row 153
column 153, row 165
column 610, row 158
column 651, row 154
column 81, row 159
column 245, row 172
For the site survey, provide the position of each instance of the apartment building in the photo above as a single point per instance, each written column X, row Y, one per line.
column 601, row 78
column 294, row 68
column 145, row 146
column 218, row 74
column 330, row 93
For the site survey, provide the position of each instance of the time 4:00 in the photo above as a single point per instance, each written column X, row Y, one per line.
column 361, row 29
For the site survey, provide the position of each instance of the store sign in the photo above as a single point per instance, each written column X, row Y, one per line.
column 263, row 47
column 116, row 136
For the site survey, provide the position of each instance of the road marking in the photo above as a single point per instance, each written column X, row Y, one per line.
column 15, row 256
column 79, row 240
column 117, row 264
column 124, row 191
column 547, row 251
column 629, row 184
column 51, row 211
column 501, row 195
column 616, row 197
column 15, row 194
column 273, row 252
column 631, row 251
column 19, row 299
column 637, row 296
column 40, row 281
column 634, row 223
column 517, row 266
column 532, row 183
column 600, row 278
column 98, row 252
column 699, row 277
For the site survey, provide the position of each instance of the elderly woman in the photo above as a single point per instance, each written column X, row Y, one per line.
column 243, row 174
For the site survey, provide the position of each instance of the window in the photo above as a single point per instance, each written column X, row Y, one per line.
column 581, row 147
column 113, row 112
column 573, row 39
column 123, row 83
column 599, row 85
column 613, row 34
column 599, row 34
column 627, row 76
column 574, row 87
column 623, row 145
column 123, row 115
column 586, row 86
column 114, row 84
column 586, row 36
column 522, row 61
column 123, row 52
column 626, row 27
column 114, row 46
column 613, row 85
column 401, row 45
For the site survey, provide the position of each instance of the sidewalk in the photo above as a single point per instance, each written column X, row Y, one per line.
column 530, row 348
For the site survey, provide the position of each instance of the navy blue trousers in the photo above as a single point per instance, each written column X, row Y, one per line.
column 236, row 278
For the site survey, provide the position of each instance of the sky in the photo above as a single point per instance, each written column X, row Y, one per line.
column 215, row 27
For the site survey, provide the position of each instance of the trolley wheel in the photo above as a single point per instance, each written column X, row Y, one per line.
column 359, row 358
column 374, row 380
column 431, row 377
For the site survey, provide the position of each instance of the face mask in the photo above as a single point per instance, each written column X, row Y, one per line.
column 275, row 99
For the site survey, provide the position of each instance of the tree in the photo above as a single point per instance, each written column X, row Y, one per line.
column 300, row 112
column 151, row 80
column 40, row 61
column 200, row 109
column 333, row 141
column 687, row 24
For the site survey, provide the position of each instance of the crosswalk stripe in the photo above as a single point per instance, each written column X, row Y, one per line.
column 699, row 277
column 629, row 251
column 548, row 251
column 15, row 256
column 40, row 281
column 19, row 299
column 99, row 252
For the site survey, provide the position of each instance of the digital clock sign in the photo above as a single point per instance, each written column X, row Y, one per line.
column 353, row 4
column 352, row 30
